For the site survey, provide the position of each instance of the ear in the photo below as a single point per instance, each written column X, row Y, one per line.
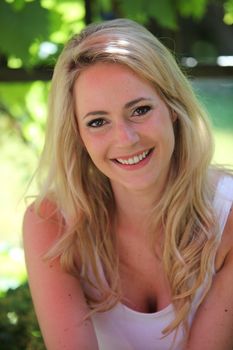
column 174, row 116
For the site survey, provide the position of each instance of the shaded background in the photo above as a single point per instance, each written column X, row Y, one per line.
column 32, row 34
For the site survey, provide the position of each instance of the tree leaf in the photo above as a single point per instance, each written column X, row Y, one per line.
column 18, row 29
column 163, row 11
column 193, row 8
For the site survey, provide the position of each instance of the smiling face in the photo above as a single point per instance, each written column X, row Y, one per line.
column 125, row 126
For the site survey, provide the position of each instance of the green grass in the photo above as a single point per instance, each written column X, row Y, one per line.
column 217, row 97
column 223, row 148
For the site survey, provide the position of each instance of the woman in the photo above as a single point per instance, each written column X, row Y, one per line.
column 130, row 242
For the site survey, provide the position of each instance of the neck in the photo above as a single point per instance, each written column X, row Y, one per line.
column 133, row 207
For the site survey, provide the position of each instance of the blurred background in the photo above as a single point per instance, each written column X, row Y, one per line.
column 32, row 34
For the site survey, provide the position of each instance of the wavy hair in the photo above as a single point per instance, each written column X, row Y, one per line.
column 84, row 195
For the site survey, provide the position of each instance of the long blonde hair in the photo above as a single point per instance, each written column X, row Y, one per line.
column 84, row 195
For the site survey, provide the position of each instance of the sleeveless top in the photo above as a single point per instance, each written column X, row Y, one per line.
column 122, row 328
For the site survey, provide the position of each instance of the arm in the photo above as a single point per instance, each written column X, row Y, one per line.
column 212, row 328
column 58, row 299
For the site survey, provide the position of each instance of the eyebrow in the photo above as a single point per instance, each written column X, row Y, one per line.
column 126, row 106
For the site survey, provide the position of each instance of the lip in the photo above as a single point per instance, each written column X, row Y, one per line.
column 136, row 166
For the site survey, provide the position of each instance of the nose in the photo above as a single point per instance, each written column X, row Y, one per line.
column 126, row 134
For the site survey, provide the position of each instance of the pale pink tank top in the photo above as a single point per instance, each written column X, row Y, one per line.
column 122, row 328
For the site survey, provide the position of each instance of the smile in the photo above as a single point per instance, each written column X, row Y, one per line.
column 135, row 159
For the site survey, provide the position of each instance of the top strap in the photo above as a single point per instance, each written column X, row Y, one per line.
column 223, row 200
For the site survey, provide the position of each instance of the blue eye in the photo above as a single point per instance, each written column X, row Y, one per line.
column 96, row 123
column 141, row 110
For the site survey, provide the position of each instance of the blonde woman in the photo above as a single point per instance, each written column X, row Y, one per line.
column 129, row 244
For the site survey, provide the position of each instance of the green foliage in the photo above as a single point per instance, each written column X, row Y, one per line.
column 19, row 329
column 163, row 11
column 23, row 111
column 228, row 8
column 25, row 25
column 194, row 8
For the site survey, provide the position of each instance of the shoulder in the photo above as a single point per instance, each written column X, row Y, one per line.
column 57, row 295
column 42, row 225
column 216, row 310
column 46, row 210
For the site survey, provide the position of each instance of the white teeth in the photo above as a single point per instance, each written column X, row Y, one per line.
column 134, row 160
column 131, row 161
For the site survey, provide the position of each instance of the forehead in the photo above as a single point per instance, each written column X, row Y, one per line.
column 110, row 79
column 103, row 69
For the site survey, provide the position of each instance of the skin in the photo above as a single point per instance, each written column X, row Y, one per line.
column 57, row 296
column 102, row 95
column 125, row 118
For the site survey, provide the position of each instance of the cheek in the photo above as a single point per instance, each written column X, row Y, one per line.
column 94, row 144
